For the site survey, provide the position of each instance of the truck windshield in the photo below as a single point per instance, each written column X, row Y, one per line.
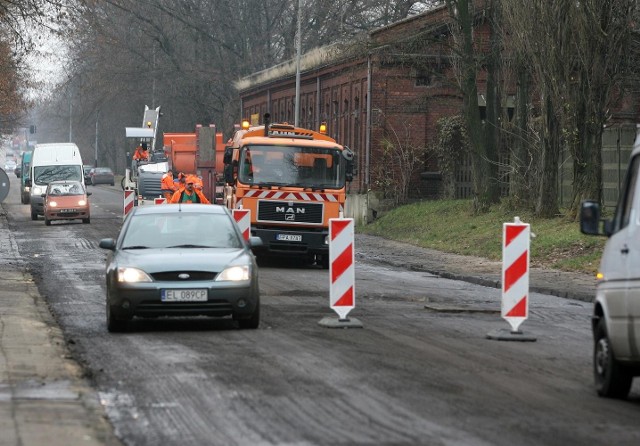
column 306, row 167
column 43, row 175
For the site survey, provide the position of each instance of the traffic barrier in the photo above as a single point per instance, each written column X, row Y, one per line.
column 243, row 218
column 159, row 200
column 129, row 199
column 515, row 273
column 341, row 266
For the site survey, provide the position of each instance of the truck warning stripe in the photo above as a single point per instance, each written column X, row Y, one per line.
column 286, row 195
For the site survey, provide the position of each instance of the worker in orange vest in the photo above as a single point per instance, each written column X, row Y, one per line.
column 168, row 185
column 190, row 194
column 141, row 153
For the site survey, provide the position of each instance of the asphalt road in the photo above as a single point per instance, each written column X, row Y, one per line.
column 421, row 371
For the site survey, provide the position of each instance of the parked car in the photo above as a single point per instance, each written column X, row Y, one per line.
column 86, row 171
column 616, row 310
column 66, row 200
column 181, row 260
column 102, row 175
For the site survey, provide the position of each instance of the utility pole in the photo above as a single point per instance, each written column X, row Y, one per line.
column 96, row 153
column 298, row 55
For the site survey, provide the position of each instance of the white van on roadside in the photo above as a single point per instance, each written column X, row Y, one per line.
column 616, row 314
column 50, row 162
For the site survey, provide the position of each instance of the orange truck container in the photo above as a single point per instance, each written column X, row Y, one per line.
column 198, row 153
column 293, row 180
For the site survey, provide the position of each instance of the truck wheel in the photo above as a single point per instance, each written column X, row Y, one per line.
column 122, row 183
column 612, row 379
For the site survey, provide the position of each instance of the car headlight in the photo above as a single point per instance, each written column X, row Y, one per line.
column 37, row 190
column 132, row 275
column 234, row 274
column 53, row 204
column 81, row 202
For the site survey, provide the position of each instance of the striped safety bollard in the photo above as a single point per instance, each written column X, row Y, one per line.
column 342, row 296
column 516, row 238
column 243, row 219
column 129, row 199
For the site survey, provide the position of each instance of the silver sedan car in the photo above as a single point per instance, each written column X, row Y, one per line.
column 181, row 260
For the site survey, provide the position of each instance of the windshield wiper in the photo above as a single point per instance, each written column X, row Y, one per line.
column 189, row 246
column 136, row 247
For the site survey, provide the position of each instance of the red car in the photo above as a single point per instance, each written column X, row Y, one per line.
column 66, row 200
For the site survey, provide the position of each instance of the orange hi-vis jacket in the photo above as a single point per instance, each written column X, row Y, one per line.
column 141, row 155
column 167, row 183
column 182, row 192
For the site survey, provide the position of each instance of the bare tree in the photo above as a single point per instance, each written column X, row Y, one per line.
column 576, row 51
column 483, row 136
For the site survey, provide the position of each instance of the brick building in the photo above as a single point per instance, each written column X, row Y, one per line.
column 389, row 88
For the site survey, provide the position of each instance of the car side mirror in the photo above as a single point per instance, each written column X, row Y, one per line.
column 43, row 195
column 255, row 242
column 89, row 193
column 27, row 182
column 108, row 243
column 590, row 218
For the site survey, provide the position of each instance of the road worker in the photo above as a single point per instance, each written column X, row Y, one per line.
column 168, row 185
column 189, row 194
column 141, row 154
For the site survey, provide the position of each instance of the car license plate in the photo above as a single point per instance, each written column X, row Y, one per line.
column 67, row 211
column 184, row 295
column 289, row 237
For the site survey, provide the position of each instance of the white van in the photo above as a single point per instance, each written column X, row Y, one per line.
column 50, row 162
column 616, row 314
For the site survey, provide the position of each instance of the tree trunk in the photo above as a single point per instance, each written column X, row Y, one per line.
column 547, row 205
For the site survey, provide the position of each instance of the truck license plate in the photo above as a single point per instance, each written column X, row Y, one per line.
column 289, row 237
column 184, row 295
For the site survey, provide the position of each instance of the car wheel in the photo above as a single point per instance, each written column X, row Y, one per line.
column 253, row 321
column 612, row 379
column 115, row 325
column 23, row 200
column 47, row 221
column 86, row 220
column 34, row 214
column 113, row 184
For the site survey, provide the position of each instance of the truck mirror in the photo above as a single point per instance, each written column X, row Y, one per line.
column 590, row 217
column 228, row 173
column 228, row 153
column 27, row 182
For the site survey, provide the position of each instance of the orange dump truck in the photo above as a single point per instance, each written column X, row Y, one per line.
column 293, row 180
column 198, row 153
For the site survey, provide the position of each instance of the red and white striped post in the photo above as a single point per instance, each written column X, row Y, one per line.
column 243, row 219
column 341, row 266
column 129, row 198
column 159, row 200
column 515, row 273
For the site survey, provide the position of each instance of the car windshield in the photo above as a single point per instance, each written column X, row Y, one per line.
column 180, row 230
column 71, row 188
column 45, row 174
column 308, row 167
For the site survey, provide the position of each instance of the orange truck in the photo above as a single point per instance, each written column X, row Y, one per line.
column 293, row 180
column 198, row 153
